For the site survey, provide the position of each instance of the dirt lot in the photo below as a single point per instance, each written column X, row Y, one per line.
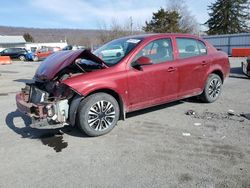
column 156, row 147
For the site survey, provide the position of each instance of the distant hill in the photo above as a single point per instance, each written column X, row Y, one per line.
column 73, row 36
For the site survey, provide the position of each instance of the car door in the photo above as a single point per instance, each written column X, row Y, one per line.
column 193, row 63
column 153, row 84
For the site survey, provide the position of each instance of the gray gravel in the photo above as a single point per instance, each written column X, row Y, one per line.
column 156, row 147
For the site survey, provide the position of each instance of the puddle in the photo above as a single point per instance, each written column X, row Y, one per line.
column 54, row 141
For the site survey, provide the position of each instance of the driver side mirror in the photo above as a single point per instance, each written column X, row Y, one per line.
column 143, row 60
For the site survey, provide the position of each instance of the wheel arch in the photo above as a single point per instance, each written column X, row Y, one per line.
column 219, row 73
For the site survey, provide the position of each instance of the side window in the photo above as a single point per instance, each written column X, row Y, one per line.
column 158, row 51
column 10, row 50
column 6, row 51
column 190, row 47
column 117, row 48
column 202, row 48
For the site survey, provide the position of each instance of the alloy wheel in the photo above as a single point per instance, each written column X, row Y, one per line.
column 214, row 88
column 101, row 115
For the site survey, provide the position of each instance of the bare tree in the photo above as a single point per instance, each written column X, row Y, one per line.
column 187, row 22
column 116, row 30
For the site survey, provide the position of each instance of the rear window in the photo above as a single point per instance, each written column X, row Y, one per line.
column 188, row 47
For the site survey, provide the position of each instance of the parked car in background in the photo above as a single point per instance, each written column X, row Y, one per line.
column 30, row 56
column 246, row 67
column 79, row 88
column 15, row 53
column 44, row 53
column 74, row 47
column 112, row 52
column 69, row 47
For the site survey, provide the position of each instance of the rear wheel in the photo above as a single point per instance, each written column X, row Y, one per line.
column 98, row 114
column 212, row 89
column 118, row 54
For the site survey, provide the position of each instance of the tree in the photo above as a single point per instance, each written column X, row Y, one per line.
column 228, row 16
column 28, row 37
column 164, row 21
column 116, row 30
column 187, row 22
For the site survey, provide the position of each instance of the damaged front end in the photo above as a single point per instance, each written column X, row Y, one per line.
column 46, row 103
column 47, row 100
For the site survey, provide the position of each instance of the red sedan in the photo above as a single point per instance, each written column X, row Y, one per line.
column 80, row 88
column 45, row 52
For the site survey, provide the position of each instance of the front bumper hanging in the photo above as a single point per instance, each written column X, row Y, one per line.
column 44, row 114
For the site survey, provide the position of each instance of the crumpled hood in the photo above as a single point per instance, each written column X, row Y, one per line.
column 49, row 68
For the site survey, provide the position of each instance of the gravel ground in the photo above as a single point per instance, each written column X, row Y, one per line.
column 156, row 147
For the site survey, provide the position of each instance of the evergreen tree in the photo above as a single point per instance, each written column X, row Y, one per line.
column 228, row 16
column 164, row 21
column 28, row 37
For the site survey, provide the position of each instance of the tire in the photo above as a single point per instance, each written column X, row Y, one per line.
column 93, row 121
column 22, row 58
column 212, row 89
column 118, row 54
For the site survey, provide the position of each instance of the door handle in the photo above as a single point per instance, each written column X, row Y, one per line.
column 171, row 69
column 204, row 63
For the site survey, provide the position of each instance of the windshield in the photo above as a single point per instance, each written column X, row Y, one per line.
column 112, row 52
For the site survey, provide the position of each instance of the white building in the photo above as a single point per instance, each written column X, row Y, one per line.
column 7, row 41
column 37, row 46
column 11, row 42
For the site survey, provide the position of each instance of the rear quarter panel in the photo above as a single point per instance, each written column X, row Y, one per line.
column 220, row 62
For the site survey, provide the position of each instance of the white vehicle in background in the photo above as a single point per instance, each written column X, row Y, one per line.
column 113, row 51
column 74, row 47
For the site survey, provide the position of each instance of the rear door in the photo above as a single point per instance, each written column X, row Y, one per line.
column 156, row 83
column 193, row 63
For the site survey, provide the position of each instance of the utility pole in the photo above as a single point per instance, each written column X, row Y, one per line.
column 131, row 24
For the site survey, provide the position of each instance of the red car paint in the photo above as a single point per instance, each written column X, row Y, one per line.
column 45, row 52
column 155, row 84
column 57, row 61
column 134, row 88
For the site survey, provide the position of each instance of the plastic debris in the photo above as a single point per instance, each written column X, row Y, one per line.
column 190, row 112
column 231, row 112
column 223, row 137
column 197, row 124
column 186, row 134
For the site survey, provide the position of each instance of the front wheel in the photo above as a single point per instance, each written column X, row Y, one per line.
column 98, row 114
column 212, row 89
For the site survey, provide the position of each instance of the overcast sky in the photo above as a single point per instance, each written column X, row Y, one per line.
column 86, row 14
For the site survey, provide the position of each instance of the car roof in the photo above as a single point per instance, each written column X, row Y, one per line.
column 156, row 35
